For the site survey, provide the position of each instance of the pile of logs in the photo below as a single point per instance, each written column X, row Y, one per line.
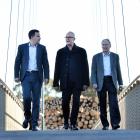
column 87, row 117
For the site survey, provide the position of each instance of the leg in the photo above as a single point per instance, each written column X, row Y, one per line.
column 36, row 93
column 103, row 107
column 113, row 105
column 75, row 107
column 26, row 87
column 66, row 96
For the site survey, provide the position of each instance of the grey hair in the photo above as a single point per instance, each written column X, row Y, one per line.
column 106, row 39
column 70, row 32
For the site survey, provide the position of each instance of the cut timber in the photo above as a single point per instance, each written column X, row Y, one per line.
column 87, row 116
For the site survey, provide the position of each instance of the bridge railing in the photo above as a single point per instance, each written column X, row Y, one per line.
column 129, row 104
column 11, row 109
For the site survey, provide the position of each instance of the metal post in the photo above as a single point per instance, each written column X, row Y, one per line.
column 125, row 41
column 42, row 112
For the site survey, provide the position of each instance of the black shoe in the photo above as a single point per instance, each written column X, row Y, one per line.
column 105, row 128
column 25, row 123
column 73, row 127
column 66, row 126
column 35, row 128
column 115, row 127
column 30, row 125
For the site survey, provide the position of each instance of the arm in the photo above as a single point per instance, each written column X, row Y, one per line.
column 119, row 76
column 94, row 72
column 45, row 64
column 86, row 70
column 56, row 72
column 17, row 65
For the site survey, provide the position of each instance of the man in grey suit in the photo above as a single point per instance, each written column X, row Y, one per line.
column 105, row 78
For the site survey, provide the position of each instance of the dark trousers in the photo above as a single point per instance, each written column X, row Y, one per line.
column 66, row 97
column 31, row 87
column 108, row 87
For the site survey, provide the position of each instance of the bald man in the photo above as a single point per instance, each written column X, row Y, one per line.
column 72, row 71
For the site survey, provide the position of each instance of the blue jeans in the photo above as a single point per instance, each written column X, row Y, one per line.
column 31, row 87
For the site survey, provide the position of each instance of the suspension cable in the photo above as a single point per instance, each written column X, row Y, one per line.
column 124, row 31
column 17, row 25
column 35, row 11
column 107, row 18
column 30, row 13
column 23, row 16
column 114, row 22
column 9, row 34
column 33, row 16
column 17, row 30
column 101, row 30
column 96, row 19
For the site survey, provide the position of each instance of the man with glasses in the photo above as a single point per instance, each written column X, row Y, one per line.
column 105, row 78
column 71, row 70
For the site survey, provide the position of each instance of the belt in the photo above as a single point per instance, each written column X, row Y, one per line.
column 107, row 77
column 32, row 71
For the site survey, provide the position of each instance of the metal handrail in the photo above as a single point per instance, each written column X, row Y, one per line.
column 11, row 94
column 129, row 87
column 124, row 93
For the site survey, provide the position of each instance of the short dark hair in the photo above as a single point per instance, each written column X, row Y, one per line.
column 32, row 33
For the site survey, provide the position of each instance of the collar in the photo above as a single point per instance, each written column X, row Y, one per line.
column 73, row 48
column 106, row 54
column 31, row 45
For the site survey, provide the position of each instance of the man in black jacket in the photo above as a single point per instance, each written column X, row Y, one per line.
column 71, row 69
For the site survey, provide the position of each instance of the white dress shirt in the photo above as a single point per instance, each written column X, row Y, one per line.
column 32, row 58
column 106, row 63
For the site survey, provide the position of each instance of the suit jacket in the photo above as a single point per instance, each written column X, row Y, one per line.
column 22, row 60
column 79, row 71
column 97, row 70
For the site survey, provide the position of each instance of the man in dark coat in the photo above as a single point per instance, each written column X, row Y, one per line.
column 71, row 70
column 31, row 69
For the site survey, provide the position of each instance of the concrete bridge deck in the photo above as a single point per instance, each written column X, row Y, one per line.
column 71, row 135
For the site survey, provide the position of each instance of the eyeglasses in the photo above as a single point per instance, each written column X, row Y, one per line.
column 105, row 44
column 69, row 37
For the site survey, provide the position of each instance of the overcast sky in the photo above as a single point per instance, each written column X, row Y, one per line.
column 91, row 20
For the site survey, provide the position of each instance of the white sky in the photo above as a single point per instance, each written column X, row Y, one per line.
column 87, row 18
